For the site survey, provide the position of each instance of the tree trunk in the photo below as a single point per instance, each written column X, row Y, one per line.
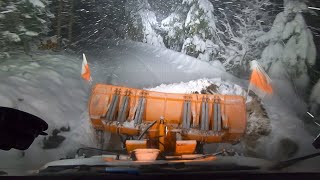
column 71, row 17
column 59, row 19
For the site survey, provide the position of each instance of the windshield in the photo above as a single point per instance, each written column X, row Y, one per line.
column 181, row 77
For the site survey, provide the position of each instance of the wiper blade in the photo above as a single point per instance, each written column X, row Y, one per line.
column 75, row 169
column 145, row 169
column 123, row 170
column 290, row 162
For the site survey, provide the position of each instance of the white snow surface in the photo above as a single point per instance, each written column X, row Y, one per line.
column 315, row 99
column 172, row 19
column 51, row 88
column 140, row 65
column 285, row 124
column 224, row 88
column 31, row 33
column 37, row 3
column 294, row 6
column 12, row 37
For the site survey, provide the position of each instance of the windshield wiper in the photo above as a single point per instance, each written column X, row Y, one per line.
column 165, row 168
column 88, row 169
column 290, row 162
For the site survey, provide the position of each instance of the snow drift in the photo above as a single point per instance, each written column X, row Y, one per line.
column 48, row 86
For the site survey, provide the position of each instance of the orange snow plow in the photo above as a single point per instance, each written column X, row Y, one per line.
column 172, row 123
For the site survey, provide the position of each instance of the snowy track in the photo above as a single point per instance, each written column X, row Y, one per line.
column 140, row 65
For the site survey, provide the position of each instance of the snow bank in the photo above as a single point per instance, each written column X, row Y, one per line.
column 140, row 65
column 48, row 86
column 285, row 125
column 224, row 87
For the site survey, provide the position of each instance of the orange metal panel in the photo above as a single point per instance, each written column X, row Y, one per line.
column 203, row 137
column 128, row 131
column 195, row 115
column 185, row 147
column 97, row 124
column 154, row 109
column 161, row 136
column 132, row 145
column 235, row 110
column 170, row 107
column 97, row 107
column 224, row 116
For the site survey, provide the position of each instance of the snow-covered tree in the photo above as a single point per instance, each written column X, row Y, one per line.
column 218, row 30
column 200, row 29
column 22, row 21
column 191, row 29
column 290, row 45
column 142, row 24
column 173, row 27
column 239, row 24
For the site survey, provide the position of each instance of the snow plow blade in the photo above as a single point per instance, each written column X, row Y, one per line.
column 200, row 117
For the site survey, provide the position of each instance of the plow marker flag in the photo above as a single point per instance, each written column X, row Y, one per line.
column 85, row 71
column 260, row 82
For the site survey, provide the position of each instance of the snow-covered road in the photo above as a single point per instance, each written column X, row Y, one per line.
column 141, row 65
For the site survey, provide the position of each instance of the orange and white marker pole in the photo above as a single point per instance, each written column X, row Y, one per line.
column 85, row 70
column 260, row 82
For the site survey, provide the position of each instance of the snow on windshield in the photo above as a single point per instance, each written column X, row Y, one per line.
column 176, row 46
